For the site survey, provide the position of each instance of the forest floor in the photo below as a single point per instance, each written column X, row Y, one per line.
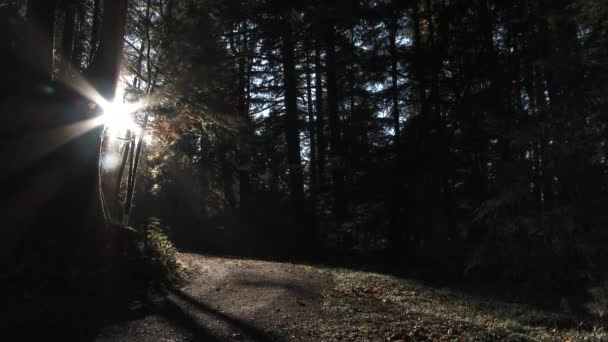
column 230, row 299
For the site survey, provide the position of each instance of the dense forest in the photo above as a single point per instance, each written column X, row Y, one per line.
column 467, row 138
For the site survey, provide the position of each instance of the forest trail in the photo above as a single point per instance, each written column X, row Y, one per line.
column 230, row 300
column 248, row 300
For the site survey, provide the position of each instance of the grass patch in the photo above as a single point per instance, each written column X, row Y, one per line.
column 362, row 306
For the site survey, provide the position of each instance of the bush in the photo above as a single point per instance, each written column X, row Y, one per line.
column 598, row 306
column 160, row 255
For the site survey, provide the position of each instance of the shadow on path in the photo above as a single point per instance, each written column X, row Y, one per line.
column 185, row 311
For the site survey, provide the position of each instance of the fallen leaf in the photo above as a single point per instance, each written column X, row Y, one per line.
column 488, row 321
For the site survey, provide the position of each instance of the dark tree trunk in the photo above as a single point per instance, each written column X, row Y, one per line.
column 392, row 30
column 311, row 126
column 67, row 41
column 140, row 58
column 244, row 192
column 335, row 140
column 133, row 176
column 292, row 122
column 394, row 204
column 204, row 175
column 105, row 67
column 226, row 171
column 130, row 180
column 416, row 202
column 103, row 75
column 78, row 50
column 140, row 141
column 67, row 217
column 122, row 167
column 42, row 15
column 95, row 29
column 244, row 154
column 319, row 111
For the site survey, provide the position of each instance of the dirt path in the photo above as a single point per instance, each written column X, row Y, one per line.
column 230, row 300
column 247, row 300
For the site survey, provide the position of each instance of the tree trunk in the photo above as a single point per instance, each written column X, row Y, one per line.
column 334, row 130
column 204, row 175
column 95, row 29
column 291, row 116
column 392, row 30
column 131, row 187
column 42, row 15
column 320, row 124
column 394, row 205
column 131, row 163
column 78, row 50
column 67, row 41
column 226, row 171
column 311, row 127
column 67, row 217
column 123, row 166
column 244, row 154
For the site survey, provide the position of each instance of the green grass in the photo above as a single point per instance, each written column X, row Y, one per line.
column 363, row 306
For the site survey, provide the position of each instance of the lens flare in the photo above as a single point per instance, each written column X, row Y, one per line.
column 119, row 116
column 111, row 161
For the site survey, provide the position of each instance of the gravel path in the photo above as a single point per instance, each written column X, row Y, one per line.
column 230, row 300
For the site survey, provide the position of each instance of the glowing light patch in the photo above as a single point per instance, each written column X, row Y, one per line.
column 119, row 116
column 149, row 139
column 111, row 161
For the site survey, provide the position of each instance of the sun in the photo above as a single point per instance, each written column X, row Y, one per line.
column 118, row 116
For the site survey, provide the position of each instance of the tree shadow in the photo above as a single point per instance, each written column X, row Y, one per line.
column 182, row 309
column 81, row 318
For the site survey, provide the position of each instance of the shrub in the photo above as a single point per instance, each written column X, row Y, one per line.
column 160, row 255
column 598, row 306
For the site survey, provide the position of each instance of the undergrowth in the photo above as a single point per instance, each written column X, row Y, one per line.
column 363, row 306
column 160, row 255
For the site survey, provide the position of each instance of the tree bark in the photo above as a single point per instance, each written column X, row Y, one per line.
column 244, row 154
column 67, row 41
column 320, row 123
column 130, row 180
column 142, row 133
column 334, row 129
column 291, row 117
column 392, row 30
column 123, row 166
column 95, row 29
column 42, row 15
column 311, row 126
column 133, row 177
column 226, row 171
column 78, row 50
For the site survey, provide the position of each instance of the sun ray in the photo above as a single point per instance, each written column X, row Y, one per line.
column 35, row 147
column 116, row 115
